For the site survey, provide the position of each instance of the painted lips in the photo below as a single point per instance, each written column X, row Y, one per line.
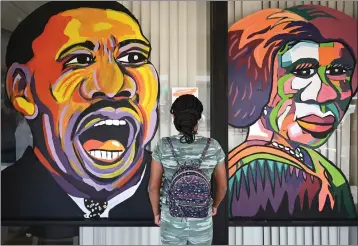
column 314, row 123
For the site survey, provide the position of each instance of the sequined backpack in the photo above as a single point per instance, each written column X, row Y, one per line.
column 189, row 193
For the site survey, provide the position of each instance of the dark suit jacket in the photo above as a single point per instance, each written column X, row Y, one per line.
column 29, row 192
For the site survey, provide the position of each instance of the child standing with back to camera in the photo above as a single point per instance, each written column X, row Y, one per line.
column 187, row 161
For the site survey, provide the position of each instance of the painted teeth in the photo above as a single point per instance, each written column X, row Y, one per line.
column 111, row 122
column 304, row 175
column 105, row 155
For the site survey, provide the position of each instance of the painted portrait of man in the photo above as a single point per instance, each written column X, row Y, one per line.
column 292, row 76
column 79, row 72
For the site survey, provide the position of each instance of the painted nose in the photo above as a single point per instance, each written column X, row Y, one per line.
column 318, row 91
column 107, row 81
column 326, row 94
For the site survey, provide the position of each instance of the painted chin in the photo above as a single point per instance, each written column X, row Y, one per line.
column 301, row 135
column 104, row 140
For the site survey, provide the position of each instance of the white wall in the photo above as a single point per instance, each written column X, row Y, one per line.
column 293, row 236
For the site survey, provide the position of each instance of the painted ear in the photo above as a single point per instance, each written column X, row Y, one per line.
column 18, row 90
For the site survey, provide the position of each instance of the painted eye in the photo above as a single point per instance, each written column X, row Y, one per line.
column 336, row 71
column 81, row 59
column 304, row 73
column 132, row 58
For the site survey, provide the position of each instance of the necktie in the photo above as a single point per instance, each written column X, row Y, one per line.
column 95, row 207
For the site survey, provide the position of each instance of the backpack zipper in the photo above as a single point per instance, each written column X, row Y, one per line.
column 200, row 174
column 189, row 205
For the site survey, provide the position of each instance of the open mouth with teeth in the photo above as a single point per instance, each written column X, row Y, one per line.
column 106, row 141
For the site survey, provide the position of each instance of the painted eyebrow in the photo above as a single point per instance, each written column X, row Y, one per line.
column 348, row 62
column 124, row 43
column 302, row 61
column 88, row 44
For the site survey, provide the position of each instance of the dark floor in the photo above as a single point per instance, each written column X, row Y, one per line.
column 19, row 237
column 18, row 241
column 28, row 241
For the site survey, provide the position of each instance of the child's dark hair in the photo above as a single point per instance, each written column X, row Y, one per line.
column 186, row 110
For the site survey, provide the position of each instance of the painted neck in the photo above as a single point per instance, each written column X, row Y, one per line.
column 259, row 131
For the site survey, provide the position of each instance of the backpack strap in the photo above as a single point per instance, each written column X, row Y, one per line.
column 205, row 149
column 175, row 155
column 172, row 149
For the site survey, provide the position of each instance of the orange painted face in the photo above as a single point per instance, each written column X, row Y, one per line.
column 96, row 95
column 313, row 91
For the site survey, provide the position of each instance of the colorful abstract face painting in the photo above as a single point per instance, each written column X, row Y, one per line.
column 292, row 75
column 79, row 72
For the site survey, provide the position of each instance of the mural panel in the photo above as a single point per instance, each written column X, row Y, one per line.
column 292, row 75
column 79, row 72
